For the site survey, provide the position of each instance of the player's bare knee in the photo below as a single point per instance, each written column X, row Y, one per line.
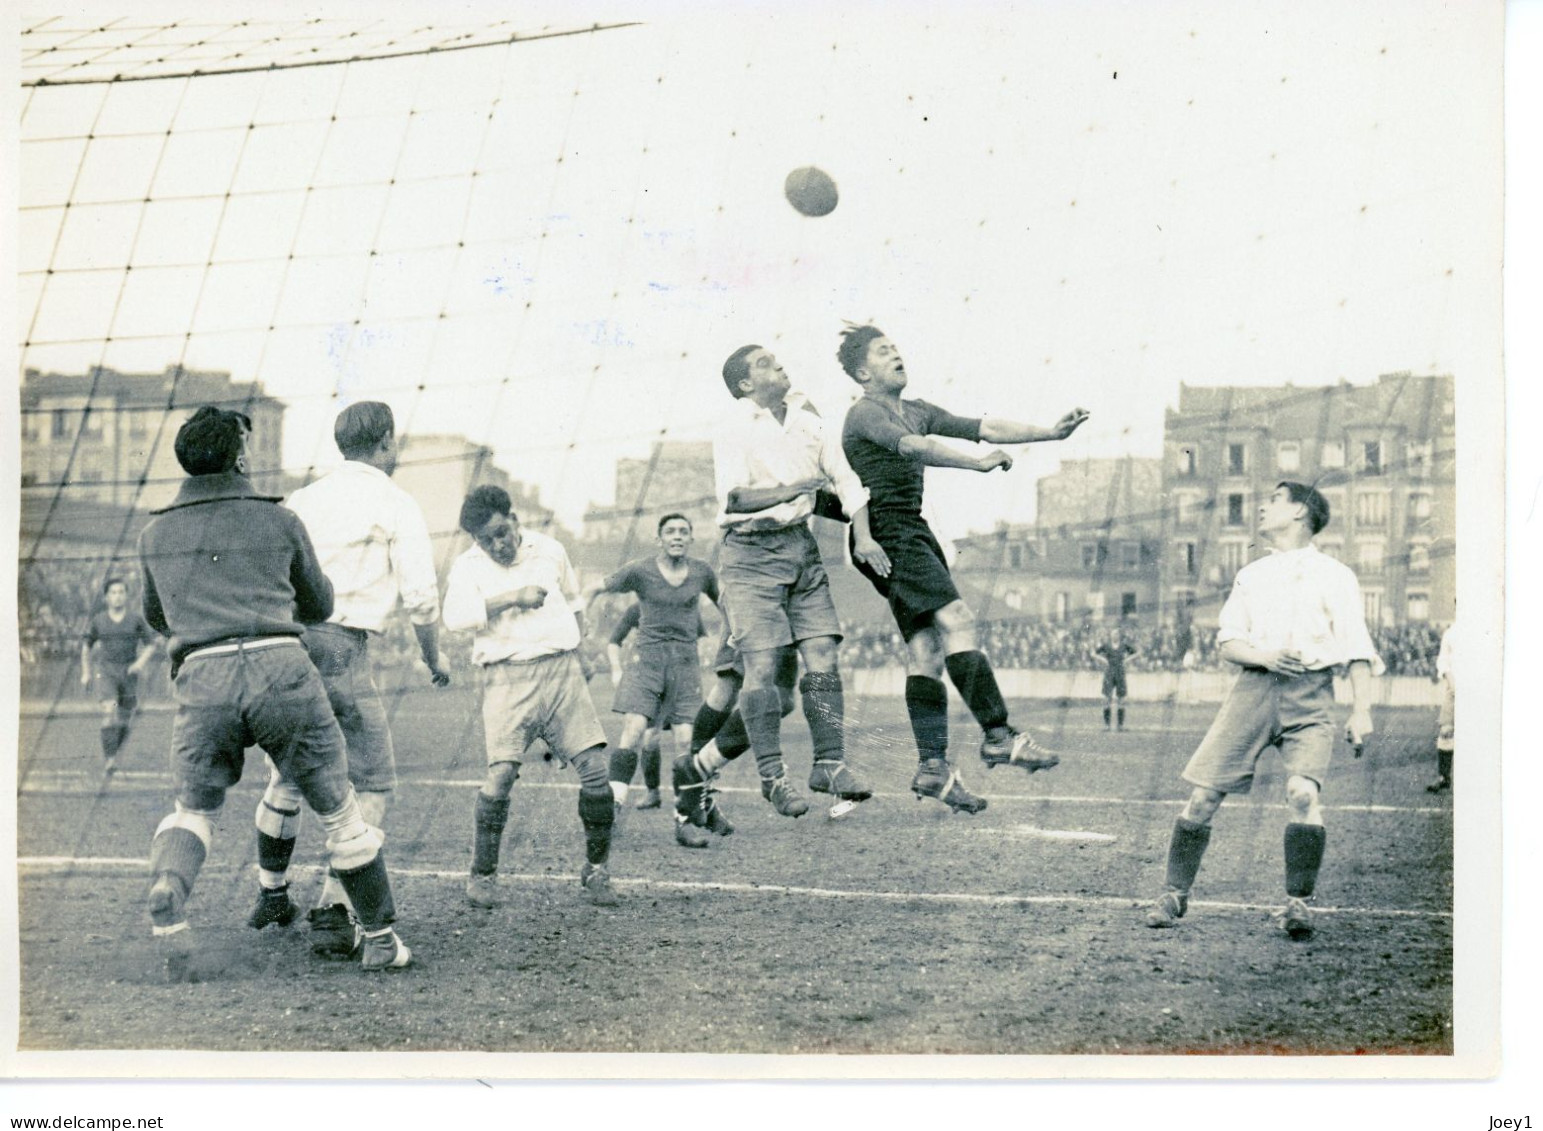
column 500, row 779
column 634, row 729
column 819, row 654
column 1302, row 798
column 373, row 805
column 724, row 692
column 1202, row 805
column 761, row 668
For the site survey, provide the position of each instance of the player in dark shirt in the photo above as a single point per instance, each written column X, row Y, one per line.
column 888, row 442
column 1113, row 652
column 664, row 684
column 115, row 648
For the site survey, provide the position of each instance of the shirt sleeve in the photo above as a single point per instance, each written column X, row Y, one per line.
column 624, row 580
column 867, row 421
column 143, row 633
column 710, row 583
column 731, row 468
column 155, row 615
column 89, row 636
column 313, row 592
column 833, row 462
column 1234, row 622
column 464, row 608
column 628, row 621
column 412, row 563
column 938, row 422
column 1347, row 616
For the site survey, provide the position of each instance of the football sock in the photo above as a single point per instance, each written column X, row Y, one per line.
column 651, row 767
column 926, row 701
column 824, row 708
column 110, row 738
column 761, row 709
column 1444, row 764
column 1304, row 854
column 624, row 763
column 369, row 890
column 1106, row 716
column 597, row 812
column 972, row 675
column 733, row 739
column 705, row 727
column 490, row 817
column 1185, row 849
column 1119, row 717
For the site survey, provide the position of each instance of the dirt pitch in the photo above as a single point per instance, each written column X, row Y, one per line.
column 899, row 929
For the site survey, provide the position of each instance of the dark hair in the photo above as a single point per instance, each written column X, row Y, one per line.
column 737, row 369
column 853, row 350
column 361, row 427
column 1310, row 497
column 671, row 517
column 209, row 441
column 481, row 505
column 111, row 581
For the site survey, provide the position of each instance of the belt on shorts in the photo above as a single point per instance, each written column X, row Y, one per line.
column 244, row 644
column 747, row 529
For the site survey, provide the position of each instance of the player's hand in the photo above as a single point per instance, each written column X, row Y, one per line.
column 1069, row 423
column 531, row 597
column 1358, row 729
column 994, row 459
column 1284, row 662
column 872, row 555
column 439, row 677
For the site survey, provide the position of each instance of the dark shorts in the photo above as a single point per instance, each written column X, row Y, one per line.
column 728, row 661
column 663, row 684
column 919, row 583
column 775, row 590
column 1114, row 683
column 114, row 683
column 342, row 656
column 270, row 697
column 1263, row 710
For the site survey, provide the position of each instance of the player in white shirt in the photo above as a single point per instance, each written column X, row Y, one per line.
column 1446, row 734
column 374, row 547
column 517, row 591
column 1292, row 618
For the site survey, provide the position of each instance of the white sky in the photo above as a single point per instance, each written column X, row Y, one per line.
column 1282, row 193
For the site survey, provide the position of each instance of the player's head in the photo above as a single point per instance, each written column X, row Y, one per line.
column 115, row 591
column 674, row 531
column 1291, row 503
column 488, row 516
column 752, row 372
column 212, row 441
column 871, row 359
column 366, row 431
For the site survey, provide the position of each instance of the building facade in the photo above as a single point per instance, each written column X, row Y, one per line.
column 1383, row 454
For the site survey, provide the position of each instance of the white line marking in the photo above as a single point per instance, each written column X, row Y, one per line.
column 1034, row 833
column 83, row 864
column 62, row 777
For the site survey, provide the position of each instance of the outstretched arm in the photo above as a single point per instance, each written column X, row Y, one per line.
column 994, row 431
column 933, row 453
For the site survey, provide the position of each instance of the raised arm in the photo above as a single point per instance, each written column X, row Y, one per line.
column 995, row 431
column 934, row 453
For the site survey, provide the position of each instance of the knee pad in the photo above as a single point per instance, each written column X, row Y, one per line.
column 278, row 813
column 594, row 770
column 199, row 822
column 351, row 844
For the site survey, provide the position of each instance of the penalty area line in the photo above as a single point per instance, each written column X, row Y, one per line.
column 725, row 887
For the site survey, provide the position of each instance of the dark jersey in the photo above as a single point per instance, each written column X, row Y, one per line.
column 1114, row 655
column 119, row 641
column 628, row 624
column 871, row 439
column 667, row 614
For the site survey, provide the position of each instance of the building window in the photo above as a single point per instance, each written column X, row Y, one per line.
column 1371, row 457
column 1127, row 605
column 1418, row 606
column 1369, row 555
column 1130, row 555
column 29, row 425
column 91, row 423
column 139, row 423
column 1237, row 459
column 1188, row 558
column 1419, row 458
column 1184, row 599
column 1371, row 508
column 1419, row 504
column 1015, row 557
column 1089, row 555
column 1063, row 606
column 61, row 424
column 1187, row 461
column 1372, row 599
column 1333, row 454
column 1187, row 508
column 1288, row 455
column 1235, row 510
column 1234, row 557
column 29, row 479
column 1419, row 558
